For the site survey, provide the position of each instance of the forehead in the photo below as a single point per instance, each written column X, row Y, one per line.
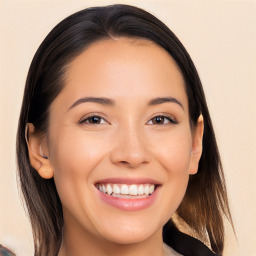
column 124, row 68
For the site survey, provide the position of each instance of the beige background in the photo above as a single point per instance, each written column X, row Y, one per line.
column 220, row 37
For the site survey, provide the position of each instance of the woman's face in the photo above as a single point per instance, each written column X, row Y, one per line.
column 121, row 123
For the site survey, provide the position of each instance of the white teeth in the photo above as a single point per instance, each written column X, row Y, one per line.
column 141, row 190
column 109, row 189
column 151, row 189
column 124, row 190
column 133, row 190
column 116, row 189
column 146, row 189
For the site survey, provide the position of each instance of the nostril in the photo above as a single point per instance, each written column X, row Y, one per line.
column 128, row 155
column 131, row 164
column 124, row 162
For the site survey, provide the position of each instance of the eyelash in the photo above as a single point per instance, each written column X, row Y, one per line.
column 84, row 121
column 170, row 120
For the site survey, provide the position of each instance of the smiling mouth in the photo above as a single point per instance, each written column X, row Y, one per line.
column 133, row 191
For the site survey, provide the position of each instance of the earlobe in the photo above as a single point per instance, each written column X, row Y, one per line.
column 38, row 158
column 197, row 146
column 45, row 172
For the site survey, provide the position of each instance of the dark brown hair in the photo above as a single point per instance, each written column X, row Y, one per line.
column 205, row 202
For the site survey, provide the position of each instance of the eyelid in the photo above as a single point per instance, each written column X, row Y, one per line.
column 93, row 114
column 171, row 118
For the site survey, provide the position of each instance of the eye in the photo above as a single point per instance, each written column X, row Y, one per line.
column 93, row 120
column 162, row 120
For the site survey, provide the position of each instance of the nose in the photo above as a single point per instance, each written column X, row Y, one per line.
column 130, row 148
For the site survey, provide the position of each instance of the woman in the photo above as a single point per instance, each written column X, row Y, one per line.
column 115, row 144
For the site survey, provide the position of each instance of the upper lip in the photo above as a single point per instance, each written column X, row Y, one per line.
column 122, row 180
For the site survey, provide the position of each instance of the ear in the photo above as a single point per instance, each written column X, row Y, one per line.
column 38, row 152
column 197, row 145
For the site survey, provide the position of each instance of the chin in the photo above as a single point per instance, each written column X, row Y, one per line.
column 128, row 238
column 130, row 234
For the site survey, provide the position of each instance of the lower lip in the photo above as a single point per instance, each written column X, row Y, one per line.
column 129, row 204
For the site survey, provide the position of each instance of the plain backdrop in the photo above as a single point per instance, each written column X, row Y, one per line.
column 220, row 37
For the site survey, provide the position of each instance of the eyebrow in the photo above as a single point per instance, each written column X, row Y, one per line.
column 101, row 100
column 110, row 102
column 161, row 100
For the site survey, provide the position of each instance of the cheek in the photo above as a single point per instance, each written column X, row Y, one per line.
column 174, row 153
column 74, row 156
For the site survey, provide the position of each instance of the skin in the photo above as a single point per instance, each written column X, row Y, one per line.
column 125, row 143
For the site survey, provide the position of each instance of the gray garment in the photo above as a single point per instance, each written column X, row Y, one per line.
column 168, row 251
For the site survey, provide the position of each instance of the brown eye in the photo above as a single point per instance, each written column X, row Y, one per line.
column 162, row 120
column 158, row 120
column 93, row 120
